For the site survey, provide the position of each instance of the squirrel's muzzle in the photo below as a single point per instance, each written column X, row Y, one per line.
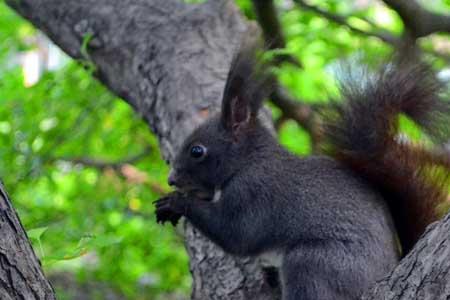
column 172, row 180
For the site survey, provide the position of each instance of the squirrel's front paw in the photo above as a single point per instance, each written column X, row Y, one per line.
column 169, row 208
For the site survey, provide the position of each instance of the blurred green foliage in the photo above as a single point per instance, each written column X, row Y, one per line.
column 97, row 222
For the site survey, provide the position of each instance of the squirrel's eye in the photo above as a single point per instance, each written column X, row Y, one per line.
column 198, row 151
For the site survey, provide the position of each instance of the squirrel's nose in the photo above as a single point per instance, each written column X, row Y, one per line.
column 172, row 178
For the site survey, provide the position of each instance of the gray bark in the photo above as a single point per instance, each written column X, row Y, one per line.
column 21, row 276
column 424, row 273
column 169, row 60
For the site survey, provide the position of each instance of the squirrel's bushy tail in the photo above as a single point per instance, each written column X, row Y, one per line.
column 362, row 131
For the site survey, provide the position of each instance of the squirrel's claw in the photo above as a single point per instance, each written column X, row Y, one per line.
column 165, row 211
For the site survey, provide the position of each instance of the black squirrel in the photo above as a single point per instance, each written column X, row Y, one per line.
column 336, row 223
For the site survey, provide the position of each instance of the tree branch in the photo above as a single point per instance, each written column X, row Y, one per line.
column 407, row 44
column 267, row 17
column 103, row 164
column 298, row 111
column 419, row 21
column 383, row 35
column 424, row 272
column 122, row 167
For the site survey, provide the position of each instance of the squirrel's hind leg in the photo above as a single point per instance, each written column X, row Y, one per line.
column 325, row 272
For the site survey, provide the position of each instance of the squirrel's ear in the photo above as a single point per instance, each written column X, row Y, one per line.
column 246, row 86
column 240, row 115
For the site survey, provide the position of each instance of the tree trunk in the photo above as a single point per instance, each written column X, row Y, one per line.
column 21, row 276
column 169, row 60
column 424, row 273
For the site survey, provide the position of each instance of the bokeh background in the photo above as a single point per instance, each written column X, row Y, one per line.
column 82, row 169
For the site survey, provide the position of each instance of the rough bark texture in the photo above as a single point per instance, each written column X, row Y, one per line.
column 169, row 60
column 21, row 276
column 424, row 273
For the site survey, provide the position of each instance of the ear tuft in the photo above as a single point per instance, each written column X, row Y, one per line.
column 247, row 84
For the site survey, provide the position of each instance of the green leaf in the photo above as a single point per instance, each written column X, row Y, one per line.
column 36, row 233
column 84, row 45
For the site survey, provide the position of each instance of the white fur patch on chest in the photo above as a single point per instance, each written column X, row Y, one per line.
column 271, row 259
column 217, row 195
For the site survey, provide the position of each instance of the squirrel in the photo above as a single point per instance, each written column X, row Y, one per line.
column 336, row 222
